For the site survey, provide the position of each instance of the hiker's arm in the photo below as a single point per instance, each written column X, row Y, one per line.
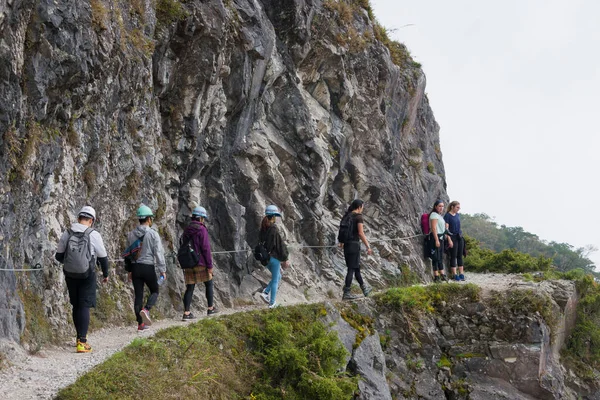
column 160, row 255
column 205, row 249
column 61, row 248
column 281, row 248
column 363, row 237
column 433, row 223
column 103, row 261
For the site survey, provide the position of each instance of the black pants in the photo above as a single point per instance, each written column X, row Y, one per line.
column 437, row 254
column 352, row 258
column 456, row 252
column 82, row 296
column 143, row 274
column 189, row 293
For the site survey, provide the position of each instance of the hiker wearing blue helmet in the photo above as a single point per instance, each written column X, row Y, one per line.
column 79, row 269
column 142, row 271
column 269, row 235
column 197, row 234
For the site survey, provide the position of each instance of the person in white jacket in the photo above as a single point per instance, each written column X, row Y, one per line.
column 79, row 248
column 151, row 256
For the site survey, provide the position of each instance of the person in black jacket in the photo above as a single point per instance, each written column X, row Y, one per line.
column 269, row 235
column 352, row 250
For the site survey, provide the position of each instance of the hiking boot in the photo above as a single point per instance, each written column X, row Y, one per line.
column 444, row 278
column 213, row 311
column 274, row 305
column 188, row 317
column 456, row 278
column 266, row 297
column 366, row 289
column 436, row 279
column 145, row 314
column 347, row 295
column 462, row 277
column 143, row 327
column 83, row 347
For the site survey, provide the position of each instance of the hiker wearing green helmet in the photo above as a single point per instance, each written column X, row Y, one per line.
column 150, row 256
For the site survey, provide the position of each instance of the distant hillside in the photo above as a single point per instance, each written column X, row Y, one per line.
column 497, row 238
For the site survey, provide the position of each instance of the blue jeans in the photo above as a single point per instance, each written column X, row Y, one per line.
column 274, row 266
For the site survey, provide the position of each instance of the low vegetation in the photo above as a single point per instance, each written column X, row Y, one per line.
column 276, row 354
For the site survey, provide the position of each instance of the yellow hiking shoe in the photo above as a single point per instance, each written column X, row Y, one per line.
column 83, row 347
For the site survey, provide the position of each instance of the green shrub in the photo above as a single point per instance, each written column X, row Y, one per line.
column 282, row 353
column 169, row 11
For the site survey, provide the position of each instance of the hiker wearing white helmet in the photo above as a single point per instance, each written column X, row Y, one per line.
column 195, row 235
column 270, row 237
column 149, row 253
column 79, row 248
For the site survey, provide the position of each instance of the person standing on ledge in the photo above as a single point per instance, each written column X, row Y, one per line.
column 436, row 240
column 457, row 240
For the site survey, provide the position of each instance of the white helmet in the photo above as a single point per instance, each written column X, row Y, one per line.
column 87, row 212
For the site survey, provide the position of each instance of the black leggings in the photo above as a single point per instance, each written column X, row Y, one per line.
column 352, row 258
column 456, row 252
column 437, row 257
column 356, row 273
column 143, row 274
column 189, row 292
column 81, row 319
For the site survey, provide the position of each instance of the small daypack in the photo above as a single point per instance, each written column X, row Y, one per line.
column 425, row 227
column 346, row 231
column 79, row 261
column 260, row 251
column 132, row 253
column 186, row 255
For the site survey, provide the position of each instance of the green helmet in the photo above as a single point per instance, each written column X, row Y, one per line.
column 144, row 211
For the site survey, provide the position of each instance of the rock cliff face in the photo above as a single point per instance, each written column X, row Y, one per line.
column 231, row 104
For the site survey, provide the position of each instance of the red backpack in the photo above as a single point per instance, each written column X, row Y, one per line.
column 425, row 227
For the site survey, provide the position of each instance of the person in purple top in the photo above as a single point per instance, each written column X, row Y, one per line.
column 197, row 233
column 457, row 245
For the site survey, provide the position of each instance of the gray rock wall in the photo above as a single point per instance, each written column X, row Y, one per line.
column 231, row 104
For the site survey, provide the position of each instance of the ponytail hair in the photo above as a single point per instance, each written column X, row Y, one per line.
column 355, row 205
column 265, row 223
column 452, row 205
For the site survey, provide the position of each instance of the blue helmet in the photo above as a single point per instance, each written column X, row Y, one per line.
column 272, row 211
column 200, row 212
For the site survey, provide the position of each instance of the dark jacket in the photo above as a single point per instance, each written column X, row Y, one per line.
column 274, row 243
column 197, row 232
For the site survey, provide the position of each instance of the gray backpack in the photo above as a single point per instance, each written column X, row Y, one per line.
column 79, row 261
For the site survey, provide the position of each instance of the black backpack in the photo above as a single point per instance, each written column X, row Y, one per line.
column 346, row 231
column 260, row 251
column 186, row 255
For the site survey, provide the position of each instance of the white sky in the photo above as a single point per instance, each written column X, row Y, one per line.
column 515, row 87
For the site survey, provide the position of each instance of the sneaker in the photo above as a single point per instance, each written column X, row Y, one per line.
column 274, row 305
column 436, row 279
column 143, row 327
column 444, row 278
column 145, row 314
column 462, row 277
column 456, row 278
column 83, row 347
column 266, row 297
column 187, row 317
column 213, row 311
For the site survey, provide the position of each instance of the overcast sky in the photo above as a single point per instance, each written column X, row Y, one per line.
column 515, row 87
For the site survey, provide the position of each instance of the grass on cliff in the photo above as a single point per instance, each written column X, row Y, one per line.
column 419, row 299
column 286, row 353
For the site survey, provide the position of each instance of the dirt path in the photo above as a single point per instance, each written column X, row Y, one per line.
column 42, row 375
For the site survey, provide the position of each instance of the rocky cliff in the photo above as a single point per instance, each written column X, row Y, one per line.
column 230, row 104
